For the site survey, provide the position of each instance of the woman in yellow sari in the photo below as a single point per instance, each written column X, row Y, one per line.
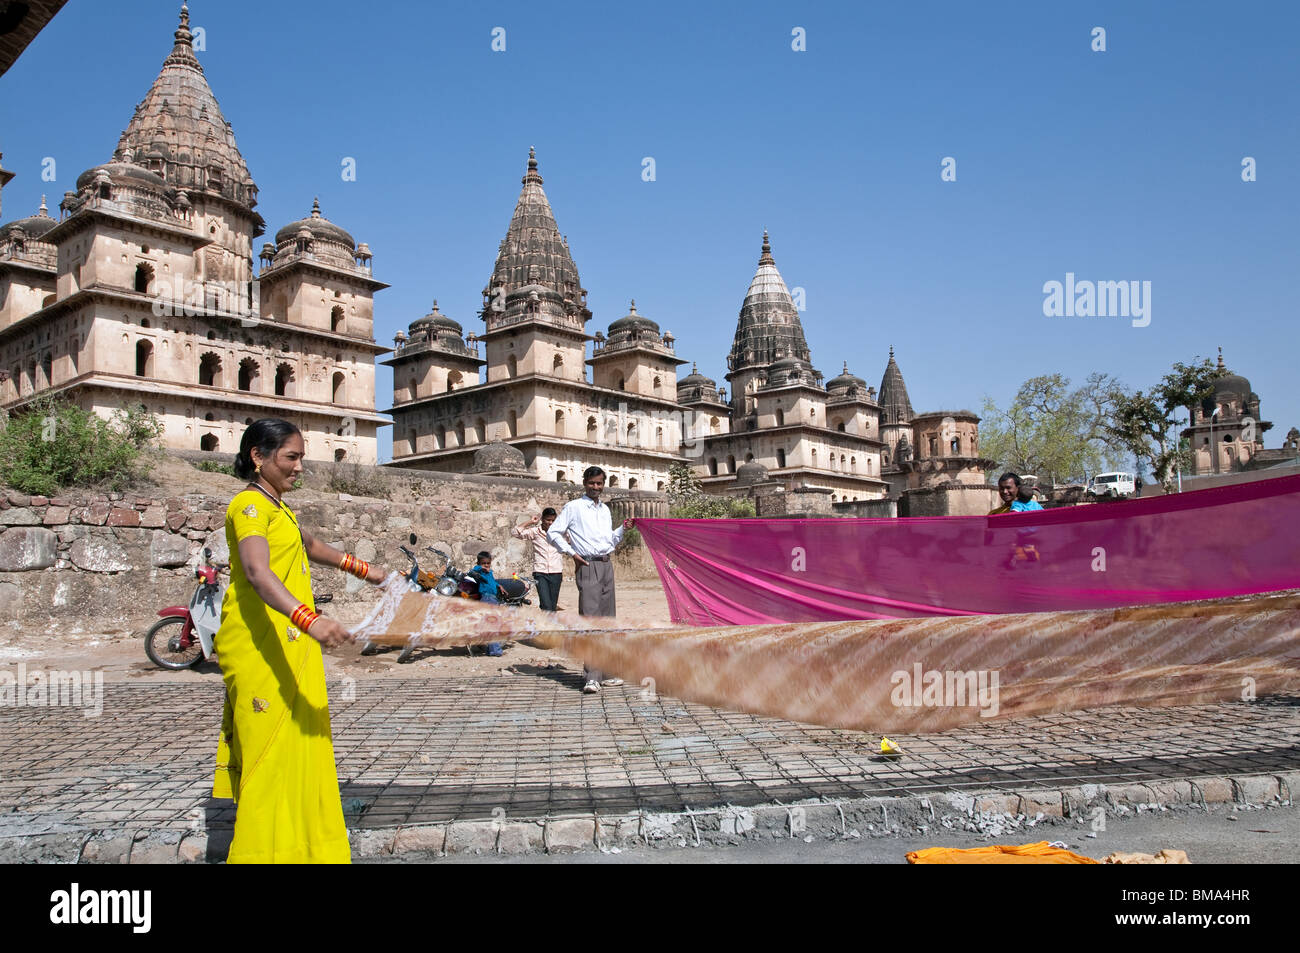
column 275, row 756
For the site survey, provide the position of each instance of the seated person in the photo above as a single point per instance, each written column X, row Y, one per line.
column 487, row 590
column 1025, row 500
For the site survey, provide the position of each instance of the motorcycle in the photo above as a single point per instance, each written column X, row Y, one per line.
column 452, row 583
column 182, row 638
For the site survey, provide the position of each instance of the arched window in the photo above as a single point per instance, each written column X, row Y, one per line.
column 339, row 388
column 460, row 434
column 339, row 455
column 840, row 426
column 411, row 439
column 454, row 380
column 47, row 370
column 659, row 487
column 337, row 321
column 613, row 479
column 559, row 423
column 632, row 483
column 480, row 431
column 210, row 370
column 853, row 464
column 413, row 389
column 74, row 352
column 557, row 365
column 209, row 442
column 559, row 476
column 659, row 384
column 954, row 446
column 780, row 459
column 247, row 373
column 714, row 425
column 591, row 428
column 512, row 423
column 884, row 458
column 780, row 417
column 934, row 446
column 284, row 380
column 842, row 461
column 143, row 278
column 731, row 464
column 659, row 437
column 440, row 438
column 619, row 382
column 143, row 358
column 631, row 434
column 512, row 366
column 713, row 466
column 814, row 457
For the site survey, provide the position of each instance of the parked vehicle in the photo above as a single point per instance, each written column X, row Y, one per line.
column 1112, row 485
column 182, row 638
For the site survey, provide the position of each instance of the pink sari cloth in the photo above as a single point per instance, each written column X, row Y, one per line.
column 1207, row 544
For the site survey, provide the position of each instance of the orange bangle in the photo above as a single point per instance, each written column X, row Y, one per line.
column 303, row 617
column 357, row 567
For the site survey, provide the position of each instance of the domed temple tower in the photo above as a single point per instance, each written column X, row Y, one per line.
column 143, row 291
column 1226, row 432
column 535, row 395
column 782, row 417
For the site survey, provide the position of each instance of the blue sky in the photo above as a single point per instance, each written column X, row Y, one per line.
column 1115, row 165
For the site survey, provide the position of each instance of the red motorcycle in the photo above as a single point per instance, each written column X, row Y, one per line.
column 182, row 638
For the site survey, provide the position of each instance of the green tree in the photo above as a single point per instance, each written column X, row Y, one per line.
column 687, row 499
column 1053, row 431
column 55, row 444
column 1145, row 424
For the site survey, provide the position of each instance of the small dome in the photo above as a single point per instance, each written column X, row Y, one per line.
column 33, row 226
column 1232, row 385
column 123, row 171
column 631, row 322
column 316, row 226
column 498, row 458
column 696, row 379
column 846, row 381
column 435, row 319
column 751, row 472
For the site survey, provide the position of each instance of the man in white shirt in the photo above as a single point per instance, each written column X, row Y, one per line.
column 591, row 540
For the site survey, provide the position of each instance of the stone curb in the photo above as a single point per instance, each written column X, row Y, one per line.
column 996, row 813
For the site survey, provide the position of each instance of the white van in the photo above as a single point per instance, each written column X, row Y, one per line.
column 1112, row 485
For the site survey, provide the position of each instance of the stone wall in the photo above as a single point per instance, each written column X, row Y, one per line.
column 954, row 499
column 105, row 563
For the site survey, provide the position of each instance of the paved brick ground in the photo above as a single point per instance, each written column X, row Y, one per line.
column 528, row 744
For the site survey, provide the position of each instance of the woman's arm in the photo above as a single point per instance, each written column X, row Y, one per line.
column 255, row 556
column 324, row 554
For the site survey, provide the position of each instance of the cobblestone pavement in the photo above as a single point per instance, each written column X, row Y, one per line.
column 529, row 744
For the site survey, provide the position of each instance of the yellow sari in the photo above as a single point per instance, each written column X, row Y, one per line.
column 275, row 757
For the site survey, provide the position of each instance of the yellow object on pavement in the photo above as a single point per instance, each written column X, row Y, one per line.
column 1040, row 853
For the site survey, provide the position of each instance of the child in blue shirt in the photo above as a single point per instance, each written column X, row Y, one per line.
column 487, row 591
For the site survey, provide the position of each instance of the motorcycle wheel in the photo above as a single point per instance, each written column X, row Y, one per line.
column 160, row 644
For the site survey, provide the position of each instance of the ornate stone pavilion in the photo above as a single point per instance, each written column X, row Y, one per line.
column 530, row 390
column 142, row 291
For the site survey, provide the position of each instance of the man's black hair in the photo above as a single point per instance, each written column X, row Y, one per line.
column 590, row 472
column 1015, row 478
column 549, row 511
column 484, row 554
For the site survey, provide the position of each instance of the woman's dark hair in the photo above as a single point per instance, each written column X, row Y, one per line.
column 266, row 435
column 549, row 511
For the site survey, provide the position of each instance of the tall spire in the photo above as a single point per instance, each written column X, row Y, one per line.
column 769, row 326
column 534, row 253
column 178, row 130
column 895, row 406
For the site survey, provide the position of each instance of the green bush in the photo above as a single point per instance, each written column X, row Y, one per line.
column 475, row 506
column 55, row 444
column 712, row 508
column 631, row 537
column 212, row 466
column 356, row 480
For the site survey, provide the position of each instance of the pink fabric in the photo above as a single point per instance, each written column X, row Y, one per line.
column 1207, row 544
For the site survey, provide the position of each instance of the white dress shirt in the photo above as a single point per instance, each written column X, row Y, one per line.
column 589, row 525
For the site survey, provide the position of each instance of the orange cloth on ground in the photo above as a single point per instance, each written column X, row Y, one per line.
column 1039, row 853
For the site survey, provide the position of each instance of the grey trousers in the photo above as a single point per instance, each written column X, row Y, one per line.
column 595, row 588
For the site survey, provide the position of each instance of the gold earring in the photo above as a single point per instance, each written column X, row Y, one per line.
column 258, row 469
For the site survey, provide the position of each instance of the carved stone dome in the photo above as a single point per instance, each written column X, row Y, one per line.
column 751, row 472
column 318, row 227
column 498, row 458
